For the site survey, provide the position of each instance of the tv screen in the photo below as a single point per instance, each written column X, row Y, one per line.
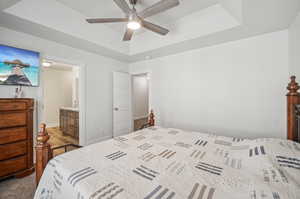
column 19, row 66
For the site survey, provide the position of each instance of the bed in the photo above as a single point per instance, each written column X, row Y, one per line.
column 166, row 163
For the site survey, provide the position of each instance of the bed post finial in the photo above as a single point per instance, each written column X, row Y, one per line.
column 43, row 152
column 42, row 136
column 293, row 98
column 151, row 118
column 293, row 87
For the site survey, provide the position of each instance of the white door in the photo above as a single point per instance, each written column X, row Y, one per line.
column 122, row 116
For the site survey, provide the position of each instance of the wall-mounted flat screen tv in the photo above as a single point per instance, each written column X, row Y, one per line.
column 19, row 66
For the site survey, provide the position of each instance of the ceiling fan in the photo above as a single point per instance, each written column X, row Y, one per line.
column 136, row 20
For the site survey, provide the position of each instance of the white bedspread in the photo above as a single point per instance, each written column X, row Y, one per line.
column 158, row 163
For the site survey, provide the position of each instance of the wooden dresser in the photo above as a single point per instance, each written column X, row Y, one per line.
column 16, row 131
column 69, row 122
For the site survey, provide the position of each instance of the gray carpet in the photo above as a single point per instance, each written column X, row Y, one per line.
column 18, row 188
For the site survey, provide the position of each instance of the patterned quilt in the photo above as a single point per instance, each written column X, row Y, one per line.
column 164, row 163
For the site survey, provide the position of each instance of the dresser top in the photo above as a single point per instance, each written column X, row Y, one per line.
column 16, row 98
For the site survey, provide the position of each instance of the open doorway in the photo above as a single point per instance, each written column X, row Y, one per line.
column 140, row 99
column 61, row 102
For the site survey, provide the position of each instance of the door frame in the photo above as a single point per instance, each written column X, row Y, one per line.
column 149, row 74
column 82, row 96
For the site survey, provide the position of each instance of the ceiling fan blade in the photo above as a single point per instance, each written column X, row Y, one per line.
column 158, row 7
column 128, row 35
column 106, row 20
column 123, row 6
column 133, row 2
column 155, row 28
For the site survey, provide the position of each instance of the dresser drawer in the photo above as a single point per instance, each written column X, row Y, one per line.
column 12, row 106
column 12, row 119
column 13, row 165
column 12, row 135
column 12, row 150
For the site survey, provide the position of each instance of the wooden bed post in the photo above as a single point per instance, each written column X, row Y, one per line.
column 43, row 152
column 293, row 98
column 151, row 119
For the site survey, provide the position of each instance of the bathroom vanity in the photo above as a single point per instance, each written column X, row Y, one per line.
column 69, row 121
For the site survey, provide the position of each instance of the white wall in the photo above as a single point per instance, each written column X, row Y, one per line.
column 98, row 79
column 58, row 89
column 234, row 89
column 140, row 96
column 75, row 87
column 294, row 47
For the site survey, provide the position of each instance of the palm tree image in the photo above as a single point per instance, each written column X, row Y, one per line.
column 19, row 66
column 17, row 75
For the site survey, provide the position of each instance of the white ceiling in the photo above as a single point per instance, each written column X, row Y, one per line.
column 107, row 8
column 193, row 24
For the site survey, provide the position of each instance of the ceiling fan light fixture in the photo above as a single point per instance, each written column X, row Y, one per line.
column 135, row 20
column 46, row 64
column 133, row 25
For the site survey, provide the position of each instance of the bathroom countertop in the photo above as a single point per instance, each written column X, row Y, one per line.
column 70, row 108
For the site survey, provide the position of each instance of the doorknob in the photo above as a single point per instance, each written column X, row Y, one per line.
column 116, row 109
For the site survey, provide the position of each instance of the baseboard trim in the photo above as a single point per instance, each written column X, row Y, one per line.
column 99, row 140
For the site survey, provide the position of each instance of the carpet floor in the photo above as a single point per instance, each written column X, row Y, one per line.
column 18, row 188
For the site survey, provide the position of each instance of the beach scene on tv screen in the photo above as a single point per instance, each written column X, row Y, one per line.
column 18, row 66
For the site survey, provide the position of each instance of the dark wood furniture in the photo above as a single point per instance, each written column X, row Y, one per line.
column 151, row 121
column 69, row 122
column 44, row 152
column 298, row 121
column 293, row 99
column 16, row 132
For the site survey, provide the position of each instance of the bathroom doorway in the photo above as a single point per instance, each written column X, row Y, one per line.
column 140, row 99
column 61, row 102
